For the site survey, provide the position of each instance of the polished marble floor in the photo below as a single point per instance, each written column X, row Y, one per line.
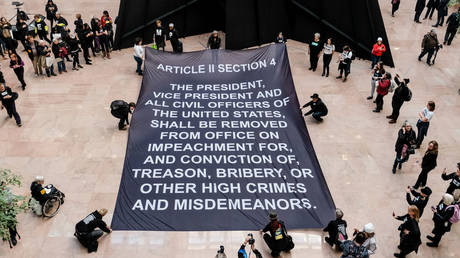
column 70, row 137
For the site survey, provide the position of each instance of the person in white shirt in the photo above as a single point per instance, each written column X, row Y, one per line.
column 424, row 122
column 328, row 51
column 371, row 242
column 345, row 62
column 139, row 55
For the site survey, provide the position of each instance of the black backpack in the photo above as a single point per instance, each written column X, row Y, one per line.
column 118, row 104
column 409, row 95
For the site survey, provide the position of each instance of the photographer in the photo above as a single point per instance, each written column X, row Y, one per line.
column 455, row 177
column 221, row 253
column 382, row 91
column 420, row 199
column 278, row 240
column 430, row 43
column 401, row 94
column 242, row 251
column 403, row 146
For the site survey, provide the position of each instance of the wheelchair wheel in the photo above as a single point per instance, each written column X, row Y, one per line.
column 51, row 207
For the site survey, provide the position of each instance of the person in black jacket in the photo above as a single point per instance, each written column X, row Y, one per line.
column 2, row 79
column 61, row 25
column 430, row 7
column 409, row 232
column 452, row 26
column 277, row 240
column 420, row 199
column 86, row 40
column 314, row 50
column 441, row 215
column 121, row 109
column 32, row 48
column 74, row 50
column 85, row 229
column 78, row 25
column 17, row 65
column 22, row 30
column 318, row 108
column 280, row 38
column 242, row 251
column 173, row 37
column 58, row 51
column 406, row 138
column 51, row 10
column 41, row 29
column 401, row 94
column 159, row 35
column 214, row 41
column 419, row 6
column 337, row 230
column 442, row 11
column 7, row 98
column 455, row 177
column 428, row 163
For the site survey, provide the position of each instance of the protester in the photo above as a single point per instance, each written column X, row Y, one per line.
column 41, row 29
column 441, row 218
column 61, row 25
column 430, row 7
column 59, row 53
column 429, row 44
column 173, row 37
column 428, row 163
column 46, row 60
column 159, row 35
column 242, row 251
column 95, row 28
column 78, row 26
column 85, row 229
column 214, row 41
column 32, row 48
column 453, row 23
column 38, row 192
column 442, row 11
column 377, row 51
column 419, row 6
column 382, row 91
column 337, row 230
column 355, row 248
column 17, row 65
column 6, row 28
column 394, row 6
column 138, row 55
column 454, row 177
column 277, row 240
column 121, row 109
column 403, row 146
column 318, row 108
column 86, row 41
column 102, row 35
column 328, row 51
column 280, row 38
column 106, row 22
column 22, row 31
column 51, row 10
column 409, row 232
column 370, row 242
column 345, row 62
column 420, row 199
column 424, row 122
column 378, row 73
column 314, row 50
column 8, row 98
column 401, row 94
column 221, row 252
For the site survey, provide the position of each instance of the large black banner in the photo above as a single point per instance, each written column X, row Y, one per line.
column 216, row 142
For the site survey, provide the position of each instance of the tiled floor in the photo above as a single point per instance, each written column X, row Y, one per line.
column 70, row 137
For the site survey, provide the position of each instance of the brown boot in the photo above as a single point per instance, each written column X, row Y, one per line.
column 103, row 54
column 392, row 121
column 108, row 55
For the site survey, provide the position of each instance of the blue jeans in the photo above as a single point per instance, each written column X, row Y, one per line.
column 139, row 64
column 61, row 66
column 375, row 59
column 318, row 115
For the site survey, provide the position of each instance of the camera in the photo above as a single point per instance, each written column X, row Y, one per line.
column 251, row 239
column 17, row 4
column 221, row 250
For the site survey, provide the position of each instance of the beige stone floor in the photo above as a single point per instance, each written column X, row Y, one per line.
column 70, row 137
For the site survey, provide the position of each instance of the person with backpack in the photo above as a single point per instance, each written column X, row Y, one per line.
column 345, row 62
column 337, row 230
column 454, row 177
column 401, row 94
column 428, row 163
column 420, row 199
column 444, row 215
column 382, row 91
column 409, row 232
column 452, row 26
column 121, row 109
column 355, row 248
column 7, row 99
column 85, row 230
column 423, row 122
column 403, row 146
column 278, row 240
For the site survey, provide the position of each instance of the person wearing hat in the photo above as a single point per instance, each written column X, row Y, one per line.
column 277, row 240
column 314, row 50
column 420, row 199
column 337, row 230
column 318, row 108
column 370, row 243
column 401, row 94
column 377, row 51
column 355, row 247
column 173, row 37
column 214, row 40
column 429, row 44
column 85, row 230
column 452, row 26
column 441, row 218
column 428, row 163
column 409, row 232
column 455, row 177
column 419, row 6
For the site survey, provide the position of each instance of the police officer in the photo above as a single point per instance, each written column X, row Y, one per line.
column 318, row 108
column 452, row 25
column 420, row 199
column 7, row 98
column 455, row 176
column 429, row 44
column 121, row 109
column 214, row 40
column 85, row 229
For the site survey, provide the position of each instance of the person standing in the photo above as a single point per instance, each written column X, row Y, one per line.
column 382, row 91
column 428, row 164
column 280, row 38
column 314, row 50
column 17, row 65
column 59, row 56
column 409, row 232
column 377, row 74
column 429, row 44
column 23, row 29
column 102, row 35
column 6, row 28
column 345, row 62
column 159, row 35
column 401, row 94
column 214, row 41
column 430, row 7
column 107, row 23
column 441, row 218
column 8, row 98
column 452, row 26
column 394, row 6
column 420, row 199
column 45, row 59
column 173, row 37
column 32, row 48
column 419, row 6
column 318, row 108
column 86, row 41
column 51, row 10
column 377, row 51
column 74, row 50
column 406, row 138
column 78, row 26
column 61, row 25
column 337, row 230
column 138, row 55
column 41, row 29
column 85, row 230
column 328, row 52
column 277, row 240
column 424, row 122
column 454, row 177
column 442, row 11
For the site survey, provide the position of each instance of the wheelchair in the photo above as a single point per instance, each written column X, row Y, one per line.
column 50, row 208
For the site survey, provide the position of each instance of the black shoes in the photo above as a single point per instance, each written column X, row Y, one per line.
column 432, row 244
column 370, row 97
column 376, row 111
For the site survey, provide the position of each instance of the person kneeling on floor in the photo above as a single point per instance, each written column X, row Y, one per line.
column 318, row 108
column 278, row 240
column 121, row 109
column 85, row 229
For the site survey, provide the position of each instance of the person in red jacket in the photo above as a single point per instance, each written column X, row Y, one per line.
column 382, row 90
column 377, row 51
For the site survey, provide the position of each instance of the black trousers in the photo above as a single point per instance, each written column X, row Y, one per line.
column 422, row 177
column 123, row 118
column 430, row 54
column 417, row 15
column 379, row 102
column 440, row 20
column 450, row 34
column 13, row 232
column 11, row 110
column 394, row 8
column 90, row 240
column 313, row 61
column 429, row 11
column 76, row 60
column 396, row 107
column 276, row 246
column 86, row 52
column 20, row 74
column 43, row 35
column 326, row 61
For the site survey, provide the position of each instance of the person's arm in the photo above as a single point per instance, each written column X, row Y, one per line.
column 446, row 177
column 266, row 228
column 415, row 193
column 383, row 48
column 409, row 200
column 307, row 104
column 328, row 227
column 101, row 224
